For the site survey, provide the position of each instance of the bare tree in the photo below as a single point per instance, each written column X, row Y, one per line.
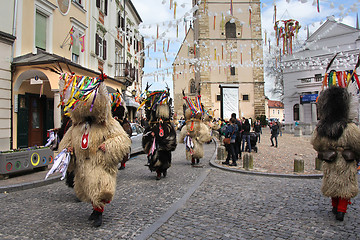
column 274, row 70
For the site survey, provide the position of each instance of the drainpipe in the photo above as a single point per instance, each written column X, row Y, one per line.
column 12, row 79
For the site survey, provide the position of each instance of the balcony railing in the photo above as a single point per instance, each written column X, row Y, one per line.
column 124, row 70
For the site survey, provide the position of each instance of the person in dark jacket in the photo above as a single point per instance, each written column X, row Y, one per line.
column 238, row 135
column 274, row 133
column 246, row 135
column 230, row 132
column 257, row 129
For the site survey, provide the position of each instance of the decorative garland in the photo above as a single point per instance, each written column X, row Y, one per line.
column 287, row 32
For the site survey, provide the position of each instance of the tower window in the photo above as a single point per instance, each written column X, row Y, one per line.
column 230, row 29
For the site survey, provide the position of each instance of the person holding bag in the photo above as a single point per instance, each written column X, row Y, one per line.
column 231, row 134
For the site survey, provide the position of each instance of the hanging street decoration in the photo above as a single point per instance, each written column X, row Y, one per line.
column 286, row 30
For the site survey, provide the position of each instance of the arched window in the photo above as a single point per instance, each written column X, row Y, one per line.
column 230, row 29
column 192, row 86
column 296, row 112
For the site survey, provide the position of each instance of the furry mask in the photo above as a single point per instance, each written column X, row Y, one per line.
column 90, row 104
column 333, row 108
column 157, row 105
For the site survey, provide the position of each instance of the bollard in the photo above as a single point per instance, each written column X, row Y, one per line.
column 221, row 153
column 248, row 161
column 297, row 131
column 318, row 164
column 298, row 165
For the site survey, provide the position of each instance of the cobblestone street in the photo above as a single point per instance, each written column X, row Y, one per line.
column 190, row 203
column 281, row 160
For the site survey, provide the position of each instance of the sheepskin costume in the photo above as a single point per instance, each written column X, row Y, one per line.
column 119, row 112
column 337, row 141
column 194, row 134
column 98, row 142
column 159, row 138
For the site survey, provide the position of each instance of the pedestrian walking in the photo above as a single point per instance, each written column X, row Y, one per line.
column 274, row 133
column 337, row 141
column 246, row 135
column 230, row 132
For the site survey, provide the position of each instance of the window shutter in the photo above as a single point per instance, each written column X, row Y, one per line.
column 104, row 47
column 118, row 20
column 76, row 46
column 98, row 3
column 96, row 44
column 123, row 23
column 40, row 38
column 106, row 7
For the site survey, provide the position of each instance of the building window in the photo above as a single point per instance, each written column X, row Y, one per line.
column 40, row 31
column 119, row 68
column 296, row 112
column 102, row 5
column 120, row 21
column 245, row 97
column 100, row 47
column 278, row 111
column 232, row 71
column 192, row 86
column 230, row 29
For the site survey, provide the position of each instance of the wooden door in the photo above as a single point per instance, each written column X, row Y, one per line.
column 35, row 121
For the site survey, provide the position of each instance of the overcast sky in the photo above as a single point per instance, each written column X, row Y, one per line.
column 159, row 23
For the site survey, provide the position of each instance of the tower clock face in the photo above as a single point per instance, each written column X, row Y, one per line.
column 64, row 6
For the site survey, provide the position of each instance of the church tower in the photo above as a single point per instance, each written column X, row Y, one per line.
column 227, row 58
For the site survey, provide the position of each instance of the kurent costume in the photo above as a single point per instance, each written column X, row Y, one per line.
column 337, row 141
column 195, row 133
column 119, row 111
column 96, row 139
column 159, row 138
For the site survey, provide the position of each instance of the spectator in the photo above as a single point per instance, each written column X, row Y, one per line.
column 257, row 129
column 230, row 132
column 274, row 133
column 246, row 135
column 238, row 135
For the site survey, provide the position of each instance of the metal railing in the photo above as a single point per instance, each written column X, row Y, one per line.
column 124, row 70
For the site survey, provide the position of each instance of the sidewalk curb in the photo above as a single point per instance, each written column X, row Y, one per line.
column 303, row 176
column 29, row 185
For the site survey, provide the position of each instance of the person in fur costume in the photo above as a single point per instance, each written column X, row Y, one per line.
column 159, row 138
column 95, row 138
column 119, row 111
column 337, row 141
column 195, row 133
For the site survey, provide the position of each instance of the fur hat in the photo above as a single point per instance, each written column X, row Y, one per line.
column 333, row 108
column 86, row 109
